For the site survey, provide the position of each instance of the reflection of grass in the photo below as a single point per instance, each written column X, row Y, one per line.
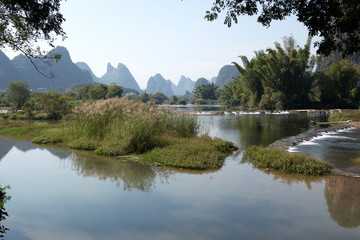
column 343, row 116
column 284, row 161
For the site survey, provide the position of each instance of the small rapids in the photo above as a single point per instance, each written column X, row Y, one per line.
column 336, row 146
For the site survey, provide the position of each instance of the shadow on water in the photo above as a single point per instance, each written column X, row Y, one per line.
column 342, row 196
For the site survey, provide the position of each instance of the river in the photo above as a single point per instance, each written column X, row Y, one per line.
column 58, row 194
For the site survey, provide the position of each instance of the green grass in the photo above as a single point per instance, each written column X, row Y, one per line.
column 356, row 160
column 120, row 127
column 193, row 153
column 262, row 157
column 26, row 129
column 344, row 116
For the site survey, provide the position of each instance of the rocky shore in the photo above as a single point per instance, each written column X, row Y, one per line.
column 288, row 142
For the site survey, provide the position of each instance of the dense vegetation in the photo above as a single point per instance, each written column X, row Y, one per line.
column 284, row 161
column 284, row 78
column 344, row 116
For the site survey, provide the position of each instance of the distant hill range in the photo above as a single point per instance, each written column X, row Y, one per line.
column 184, row 84
column 50, row 74
column 65, row 74
column 158, row 83
column 8, row 72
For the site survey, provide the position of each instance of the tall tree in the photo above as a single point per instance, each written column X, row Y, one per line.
column 339, row 86
column 206, row 91
column 114, row 91
column 17, row 93
column 98, row 92
column 281, row 78
column 337, row 22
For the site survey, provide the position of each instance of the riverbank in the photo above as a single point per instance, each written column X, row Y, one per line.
column 260, row 112
column 120, row 127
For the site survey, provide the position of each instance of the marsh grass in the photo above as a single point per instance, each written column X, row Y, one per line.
column 262, row 157
column 344, row 116
column 121, row 127
column 26, row 129
column 356, row 160
column 193, row 153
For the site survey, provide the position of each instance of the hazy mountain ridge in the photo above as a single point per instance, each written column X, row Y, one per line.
column 66, row 73
column 120, row 75
column 60, row 74
column 85, row 67
column 184, row 84
column 226, row 75
column 158, row 83
column 8, row 72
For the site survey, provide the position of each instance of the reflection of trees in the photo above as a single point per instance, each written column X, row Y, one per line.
column 291, row 178
column 129, row 173
column 343, row 199
column 265, row 129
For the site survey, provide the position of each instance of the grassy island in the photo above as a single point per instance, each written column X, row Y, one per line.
column 121, row 127
column 282, row 160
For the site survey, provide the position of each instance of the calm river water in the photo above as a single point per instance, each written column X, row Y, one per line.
column 72, row 195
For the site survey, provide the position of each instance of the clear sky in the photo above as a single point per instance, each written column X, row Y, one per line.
column 170, row 37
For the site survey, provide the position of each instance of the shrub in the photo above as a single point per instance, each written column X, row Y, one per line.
column 282, row 160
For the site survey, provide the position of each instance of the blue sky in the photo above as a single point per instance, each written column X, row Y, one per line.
column 170, row 37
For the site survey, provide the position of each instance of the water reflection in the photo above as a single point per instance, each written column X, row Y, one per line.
column 261, row 129
column 343, row 199
column 24, row 146
column 126, row 173
column 291, row 178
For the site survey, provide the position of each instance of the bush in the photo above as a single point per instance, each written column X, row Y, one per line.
column 282, row 160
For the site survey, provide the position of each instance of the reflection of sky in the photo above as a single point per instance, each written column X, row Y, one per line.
column 52, row 200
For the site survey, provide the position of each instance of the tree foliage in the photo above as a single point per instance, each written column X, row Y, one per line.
column 53, row 104
column 3, row 213
column 336, row 21
column 206, row 91
column 17, row 94
column 339, row 85
column 284, row 78
column 100, row 91
column 24, row 22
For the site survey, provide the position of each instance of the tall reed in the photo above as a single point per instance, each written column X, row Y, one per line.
column 124, row 126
